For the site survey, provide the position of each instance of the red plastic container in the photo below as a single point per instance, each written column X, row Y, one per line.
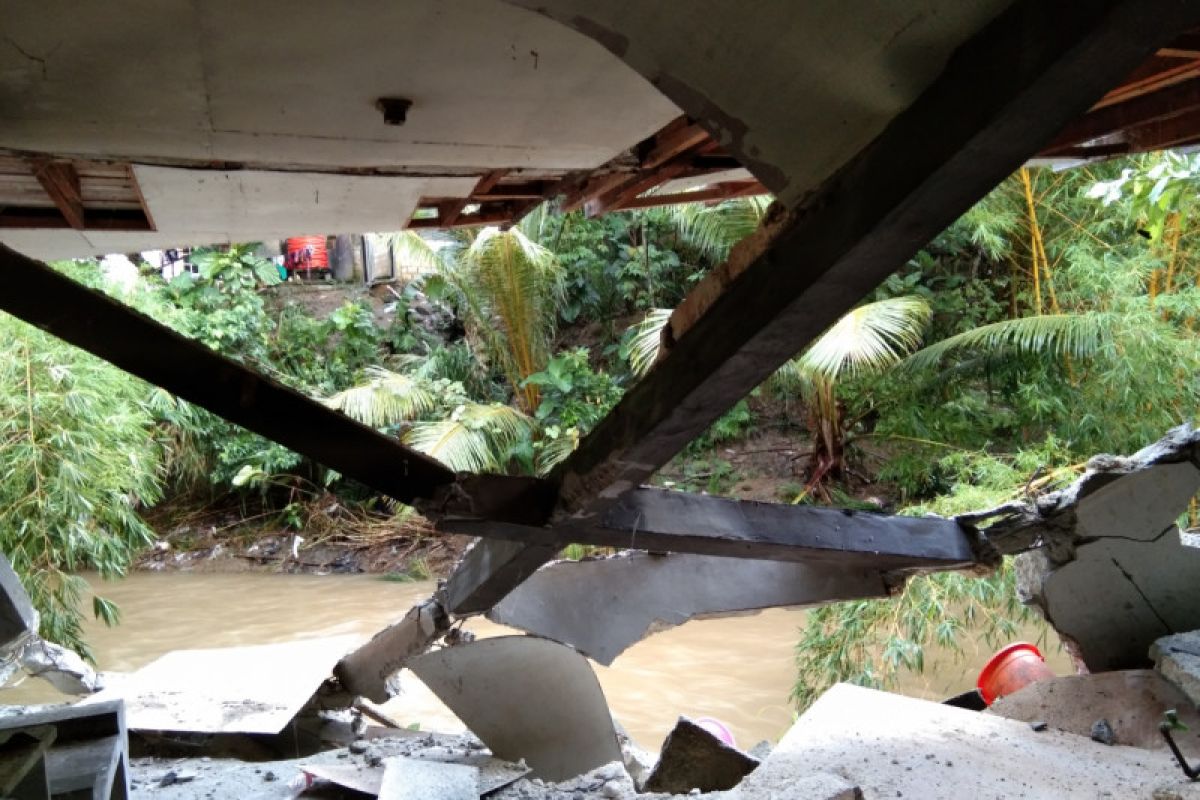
column 307, row 253
column 1012, row 668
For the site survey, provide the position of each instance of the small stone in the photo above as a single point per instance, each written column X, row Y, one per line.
column 176, row 776
column 358, row 746
column 270, row 776
column 1039, row 725
column 1102, row 732
column 611, row 789
column 374, row 759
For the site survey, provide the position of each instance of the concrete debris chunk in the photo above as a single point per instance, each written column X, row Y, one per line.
column 693, row 758
column 64, row 669
column 417, row 779
column 601, row 607
column 526, row 698
column 1111, row 573
column 1133, row 702
column 1177, row 658
column 893, row 746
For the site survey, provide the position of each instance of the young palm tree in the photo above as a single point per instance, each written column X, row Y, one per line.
column 505, row 285
column 869, row 339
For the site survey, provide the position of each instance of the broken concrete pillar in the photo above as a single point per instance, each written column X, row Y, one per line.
column 369, row 671
column 1111, row 572
column 692, row 758
column 603, row 606
column 526, row 698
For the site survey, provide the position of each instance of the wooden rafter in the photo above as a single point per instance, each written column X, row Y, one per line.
column 61, row 182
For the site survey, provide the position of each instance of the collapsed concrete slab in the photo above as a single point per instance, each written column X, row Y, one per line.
column 1109, row 568
column 603, row 606
column 1131, row 701
column 528, row 699
column 692, row 758
column 257, row 689
column 370, row 670
column 893, row 746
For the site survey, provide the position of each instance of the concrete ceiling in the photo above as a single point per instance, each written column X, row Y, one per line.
column 292, row 85
column 295, row 82
column 813, row 82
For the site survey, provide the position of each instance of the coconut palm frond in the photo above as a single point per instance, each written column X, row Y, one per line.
column 647, row 337
column 516, row 282
column 473, row 439
column 413, row 250
column 870, row 338
column 385, row 399
column 555, row 451
column 1073, row 335
column 714, row 230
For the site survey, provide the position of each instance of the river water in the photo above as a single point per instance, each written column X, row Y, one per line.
column 737, row 669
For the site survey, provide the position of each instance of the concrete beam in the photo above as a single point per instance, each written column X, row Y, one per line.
column 679, row 522
column 1042, row 64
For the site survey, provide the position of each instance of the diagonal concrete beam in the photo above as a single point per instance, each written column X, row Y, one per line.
column 1003, row 94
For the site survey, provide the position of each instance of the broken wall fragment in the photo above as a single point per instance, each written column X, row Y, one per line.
column 601, row 607
column 526, row 698
column 1111, row 572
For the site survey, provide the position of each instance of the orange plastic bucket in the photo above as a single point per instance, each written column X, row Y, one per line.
column 1013, row 667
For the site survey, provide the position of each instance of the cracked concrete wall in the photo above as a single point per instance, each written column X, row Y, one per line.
column 1111, row 572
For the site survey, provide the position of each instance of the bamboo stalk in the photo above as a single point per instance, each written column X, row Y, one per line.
column 1035, row 252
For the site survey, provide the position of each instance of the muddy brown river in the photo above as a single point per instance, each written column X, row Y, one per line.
column 738, row 669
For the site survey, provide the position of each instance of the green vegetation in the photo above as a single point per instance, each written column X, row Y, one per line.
column 1054, row 320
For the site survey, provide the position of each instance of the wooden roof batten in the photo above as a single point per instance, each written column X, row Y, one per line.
column 47, row 192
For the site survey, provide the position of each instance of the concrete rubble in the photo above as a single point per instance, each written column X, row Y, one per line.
column 21, row 648
column 693, row 758
column 1131, row 701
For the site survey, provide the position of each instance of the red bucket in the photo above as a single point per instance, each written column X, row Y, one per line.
column 1012, row 668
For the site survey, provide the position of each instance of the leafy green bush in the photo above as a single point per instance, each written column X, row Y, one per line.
column 80, row 458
